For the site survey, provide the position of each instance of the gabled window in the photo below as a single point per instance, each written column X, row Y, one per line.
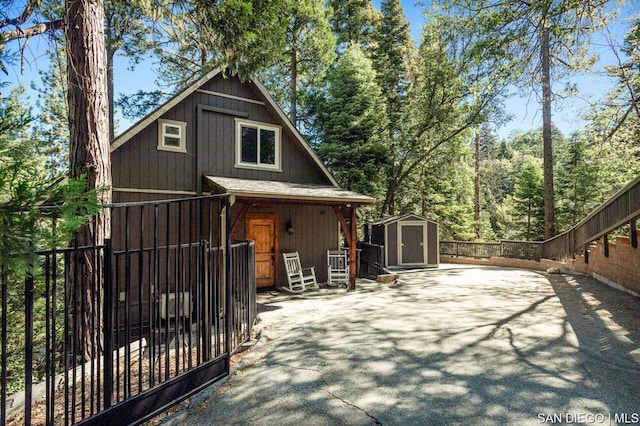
column 172, row 135
column 257, row 145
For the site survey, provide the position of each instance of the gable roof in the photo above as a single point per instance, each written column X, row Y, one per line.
column 140, row 125
column 392, row 219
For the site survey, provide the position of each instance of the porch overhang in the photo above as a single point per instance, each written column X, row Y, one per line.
column 286, row 192
column 250, row 191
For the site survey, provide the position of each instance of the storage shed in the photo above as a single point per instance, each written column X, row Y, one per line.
column 409, row 240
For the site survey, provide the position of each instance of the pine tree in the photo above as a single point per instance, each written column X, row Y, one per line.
column 128, row 25
column 391, row 59
column 354, row 21
column 351, row 119
column 51, row 126
column 539, row 39
column 455, row 87
column 309, row 50
column 527, row 204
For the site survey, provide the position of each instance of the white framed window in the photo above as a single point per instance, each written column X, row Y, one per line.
column 172, row 135
column 258, row 145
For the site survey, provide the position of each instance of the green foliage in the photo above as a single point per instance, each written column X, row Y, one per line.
column 617, row 117
column 515, row 29
column 36, row 212
column 29, row 199
column 351, row 118
column 51, row 126
column 588, row 174
column 139, row 104
column 526, row 205
column 247, row 33
column 443, row 191
column 452, row 92
column 392, row 57
column 354, row 21
column 308, row 51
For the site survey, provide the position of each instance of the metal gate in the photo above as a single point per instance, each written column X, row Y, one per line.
column 176, row 299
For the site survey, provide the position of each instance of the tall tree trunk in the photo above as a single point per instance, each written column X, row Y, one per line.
column 293, row 86
column 89, row 156
column 110, row 92
column 547, row 147
column 476, row 189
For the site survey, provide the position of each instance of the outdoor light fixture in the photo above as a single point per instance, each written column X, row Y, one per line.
column 289, row 228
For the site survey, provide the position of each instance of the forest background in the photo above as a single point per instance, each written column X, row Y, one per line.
column 409, row 119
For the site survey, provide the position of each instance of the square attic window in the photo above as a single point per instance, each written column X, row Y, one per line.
column 257, row 145
column 172, row 135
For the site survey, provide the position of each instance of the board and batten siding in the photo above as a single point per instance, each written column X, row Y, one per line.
column 391, row 246
column 433, row 244
column 315, row 230
column 153, row 230
column 139, row 164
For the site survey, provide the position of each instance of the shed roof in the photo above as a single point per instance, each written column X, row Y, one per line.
column 263, row 189
column 397, row 218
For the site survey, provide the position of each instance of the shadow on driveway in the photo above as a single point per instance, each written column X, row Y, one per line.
column 472, row 345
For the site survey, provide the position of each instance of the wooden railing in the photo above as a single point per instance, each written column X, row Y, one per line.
column 528, row 250
column 621, row 209
column 617, row 211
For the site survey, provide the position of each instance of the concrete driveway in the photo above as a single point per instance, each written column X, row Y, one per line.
column 458, row 345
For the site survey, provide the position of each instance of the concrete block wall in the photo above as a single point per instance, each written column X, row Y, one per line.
column 495, row 261
column 622, row 266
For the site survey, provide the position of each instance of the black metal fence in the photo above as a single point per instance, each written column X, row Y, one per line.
column 173, row 300
column 528, row 250
column 371, row 259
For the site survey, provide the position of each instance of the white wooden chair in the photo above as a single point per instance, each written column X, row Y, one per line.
column 299, row 279
column 337, row 267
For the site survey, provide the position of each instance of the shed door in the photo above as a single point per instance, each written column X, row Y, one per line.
column 411, row 250
column 262, row 230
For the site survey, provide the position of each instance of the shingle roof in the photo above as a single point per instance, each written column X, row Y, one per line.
column 261, row 189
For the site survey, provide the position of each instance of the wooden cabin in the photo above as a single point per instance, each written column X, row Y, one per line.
column 221, row 135
column 409, row 240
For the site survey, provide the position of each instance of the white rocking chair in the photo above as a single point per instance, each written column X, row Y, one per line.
column 299, row 279
column 337, row 267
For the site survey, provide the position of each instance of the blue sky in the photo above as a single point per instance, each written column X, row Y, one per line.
column 524, row 108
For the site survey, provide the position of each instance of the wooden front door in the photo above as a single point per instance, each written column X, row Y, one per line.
column 263, row 229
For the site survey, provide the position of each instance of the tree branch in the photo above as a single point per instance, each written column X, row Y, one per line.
column 41, row 28
column 24, row 16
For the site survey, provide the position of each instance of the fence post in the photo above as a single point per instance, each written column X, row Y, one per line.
column 205, row 317
column 227, row 279
column 107, row 318
column 28, row 351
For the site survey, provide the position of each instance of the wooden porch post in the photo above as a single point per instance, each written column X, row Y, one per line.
column 352, row 250
column 351, row 235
